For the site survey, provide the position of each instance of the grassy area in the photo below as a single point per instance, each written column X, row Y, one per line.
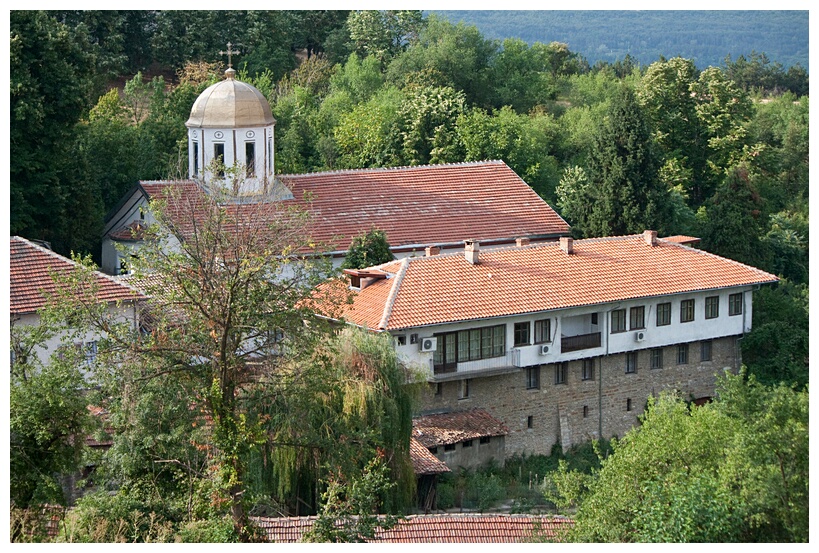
column 515, row 487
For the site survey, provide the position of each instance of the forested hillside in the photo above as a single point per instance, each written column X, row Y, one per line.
column 99, row 101
column 706, row 37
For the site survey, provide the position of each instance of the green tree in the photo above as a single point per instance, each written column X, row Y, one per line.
column 731, row 226
column 626, row 195
column 426, row 125
column 366, row 137
column 523, row 75
column 48, row 416
column 383, row 34
column 51, row 70
column 723, row 472
column 368, row 249
column 447, row 55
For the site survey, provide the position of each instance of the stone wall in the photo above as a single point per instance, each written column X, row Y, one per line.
column 575, row 411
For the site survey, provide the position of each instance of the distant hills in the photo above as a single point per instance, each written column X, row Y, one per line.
column 703, row 36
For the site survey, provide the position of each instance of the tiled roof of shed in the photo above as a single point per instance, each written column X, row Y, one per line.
column 30, row 280
column 531, row 279
column 455, row 427
column 445, row 528
column 424, row 462
column 414, row 206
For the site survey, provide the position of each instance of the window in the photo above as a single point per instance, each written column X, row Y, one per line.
column 219, row 158
column 637, row 317
column 522, row 333
column 682, row 354
column 560, row 372
column 705, row 350
column 686, row 311
column 594, row 318
column 269, row 155
column 618, row 320
column 585, row 411
column 463, row 392
column 439, row 388
column 735, row 304
column 532, row 378
column 481, row 343
column 663, row 314
column 196, row 159
column 449, row 447
column 628, row 404
column 587, row 372
column 530, row 421
column 485, row 439
column 401, row 339
column 413, row 338
column 468, row 443
column 631, row 362
column 543, row 331
column 712, row 307
column 657, row 358
column 433, row 449
column 90, row 350
column 250, row 159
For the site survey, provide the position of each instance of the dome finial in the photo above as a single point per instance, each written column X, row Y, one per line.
column 230, row 72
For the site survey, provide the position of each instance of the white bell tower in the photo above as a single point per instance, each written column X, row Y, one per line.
column 230, row 137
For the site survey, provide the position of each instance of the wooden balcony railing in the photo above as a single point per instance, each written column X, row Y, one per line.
column 581, row 341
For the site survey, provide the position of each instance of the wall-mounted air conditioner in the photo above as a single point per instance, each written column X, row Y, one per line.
column 429, row 344
column 640, row 335
column 545, row 349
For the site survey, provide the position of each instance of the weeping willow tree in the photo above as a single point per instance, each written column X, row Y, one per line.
column 349, row 403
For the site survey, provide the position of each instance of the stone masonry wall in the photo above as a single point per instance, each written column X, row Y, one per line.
column 539, row 418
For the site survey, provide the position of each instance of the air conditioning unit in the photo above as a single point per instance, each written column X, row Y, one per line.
column 544, row 350
column 640, row 336
column 429, row 344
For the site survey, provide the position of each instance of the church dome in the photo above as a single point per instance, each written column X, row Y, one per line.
column 230, row 104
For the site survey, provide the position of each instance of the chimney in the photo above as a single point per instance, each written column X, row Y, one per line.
column 650, row 236
column 523, row 241
column 566, row 244
column 432, row 250
column 472, row 250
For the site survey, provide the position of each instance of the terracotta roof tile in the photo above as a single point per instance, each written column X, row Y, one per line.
column 452, row 428
column 682, row 239
column 531, row 279
column 30, row 281
column 424, row 462
column 446, row 528
column 414, row 206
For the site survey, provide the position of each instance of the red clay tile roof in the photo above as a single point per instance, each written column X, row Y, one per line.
column 30, row 281
column 414, row 206
column 424, row 462
column 531, row 279
column 455, row 427
column 448, row 528
column 682, row 239
column 417, row 206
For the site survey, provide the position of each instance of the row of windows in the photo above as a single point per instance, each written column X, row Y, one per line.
column 631, row 362
column 466, row 443
column 637, row 319
column 543, row 332
column 219, row 154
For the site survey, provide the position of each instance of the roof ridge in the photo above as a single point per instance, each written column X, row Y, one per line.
column 397, row 168
column 393, row 294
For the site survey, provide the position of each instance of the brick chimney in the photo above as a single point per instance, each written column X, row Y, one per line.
column 566, row 244
column 523, row 241
column 432, row 250
column 650, row 236
column 472, row 250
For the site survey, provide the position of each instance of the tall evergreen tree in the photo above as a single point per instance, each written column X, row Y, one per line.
column 625, row 195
